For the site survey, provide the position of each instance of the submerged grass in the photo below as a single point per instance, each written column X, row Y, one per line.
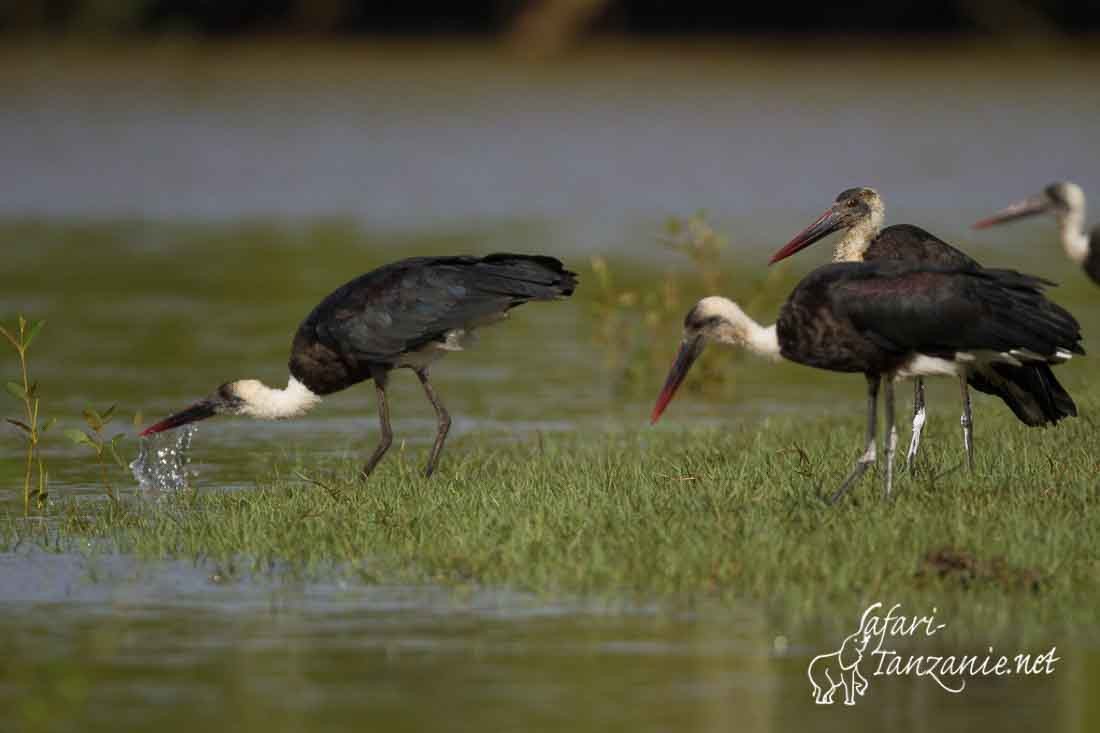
column 691, row 516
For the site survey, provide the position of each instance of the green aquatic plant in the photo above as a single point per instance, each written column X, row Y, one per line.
column 35, row 476
column 638, row 327
column 101, row 447
column 632, row 323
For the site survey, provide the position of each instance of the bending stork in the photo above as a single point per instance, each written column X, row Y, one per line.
column 406, row 314
column 889, row 320
column 1030, row 390
column 1066, row 202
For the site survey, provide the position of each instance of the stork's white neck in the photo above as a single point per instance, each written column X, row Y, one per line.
column 761, row 340
column 1075, row 241
column 264, row 403
column 853, row 245
column 735, row 328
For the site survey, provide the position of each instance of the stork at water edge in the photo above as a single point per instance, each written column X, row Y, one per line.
column 406, row 314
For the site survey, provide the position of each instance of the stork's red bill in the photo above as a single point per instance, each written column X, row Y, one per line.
column 823, row 226
column 1019, row 210
column 690, row 349
column 198, row 411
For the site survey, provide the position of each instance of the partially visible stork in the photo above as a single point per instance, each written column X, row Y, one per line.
column 406, row 314
column 1030, row 390
column 890, row 320
column 1066, row 202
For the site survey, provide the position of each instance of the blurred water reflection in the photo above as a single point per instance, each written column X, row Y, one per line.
column 414, row 136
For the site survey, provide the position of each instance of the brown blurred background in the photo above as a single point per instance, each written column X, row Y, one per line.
column 228, row 17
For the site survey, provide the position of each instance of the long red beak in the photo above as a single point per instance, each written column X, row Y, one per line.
column 198, row 411
column 825, row 225
column 690, row 349
column 1019, row 210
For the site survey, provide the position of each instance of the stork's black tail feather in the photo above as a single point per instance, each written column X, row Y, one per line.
column 1034, row 323
column 1021, row 317
column 525, row 277
column 1031, row 392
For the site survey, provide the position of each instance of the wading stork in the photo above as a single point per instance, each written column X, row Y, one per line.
column 407, row 314
column 890, row 320
column 1030, row 390
column 1066, row 202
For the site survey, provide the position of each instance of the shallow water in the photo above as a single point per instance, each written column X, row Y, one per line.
column 597, row 146
column 179, row 209
column 113, row 643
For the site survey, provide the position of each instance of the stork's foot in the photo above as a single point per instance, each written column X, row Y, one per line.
column 865, row 461
column 868, row 456
column 383, row 446
column 437, row 448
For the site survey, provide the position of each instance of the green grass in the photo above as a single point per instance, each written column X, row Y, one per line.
column 686, row 517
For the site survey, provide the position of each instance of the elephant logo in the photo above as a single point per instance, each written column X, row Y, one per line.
column 840, row 669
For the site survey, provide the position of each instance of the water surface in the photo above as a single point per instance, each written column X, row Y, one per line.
column 114, row 644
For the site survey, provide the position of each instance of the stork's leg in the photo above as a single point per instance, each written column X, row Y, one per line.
column 891, row 434
column 380, row 377
column 868, row 456
column 443, row 420
column 967, row 424
column 918, row 422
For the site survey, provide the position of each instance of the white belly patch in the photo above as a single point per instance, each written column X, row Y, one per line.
column 923, row 365
column 454, row 340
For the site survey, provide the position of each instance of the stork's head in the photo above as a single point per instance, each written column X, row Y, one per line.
column 711, row 319
column 854, row 208
column 1060, row 199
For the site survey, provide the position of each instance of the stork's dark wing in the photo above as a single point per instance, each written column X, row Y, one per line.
column 405, row 305
column 943, row 311
column 911, row 244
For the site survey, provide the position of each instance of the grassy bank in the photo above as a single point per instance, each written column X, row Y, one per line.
column 692, row 516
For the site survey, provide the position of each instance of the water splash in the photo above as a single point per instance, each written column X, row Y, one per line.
column 163, row 465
